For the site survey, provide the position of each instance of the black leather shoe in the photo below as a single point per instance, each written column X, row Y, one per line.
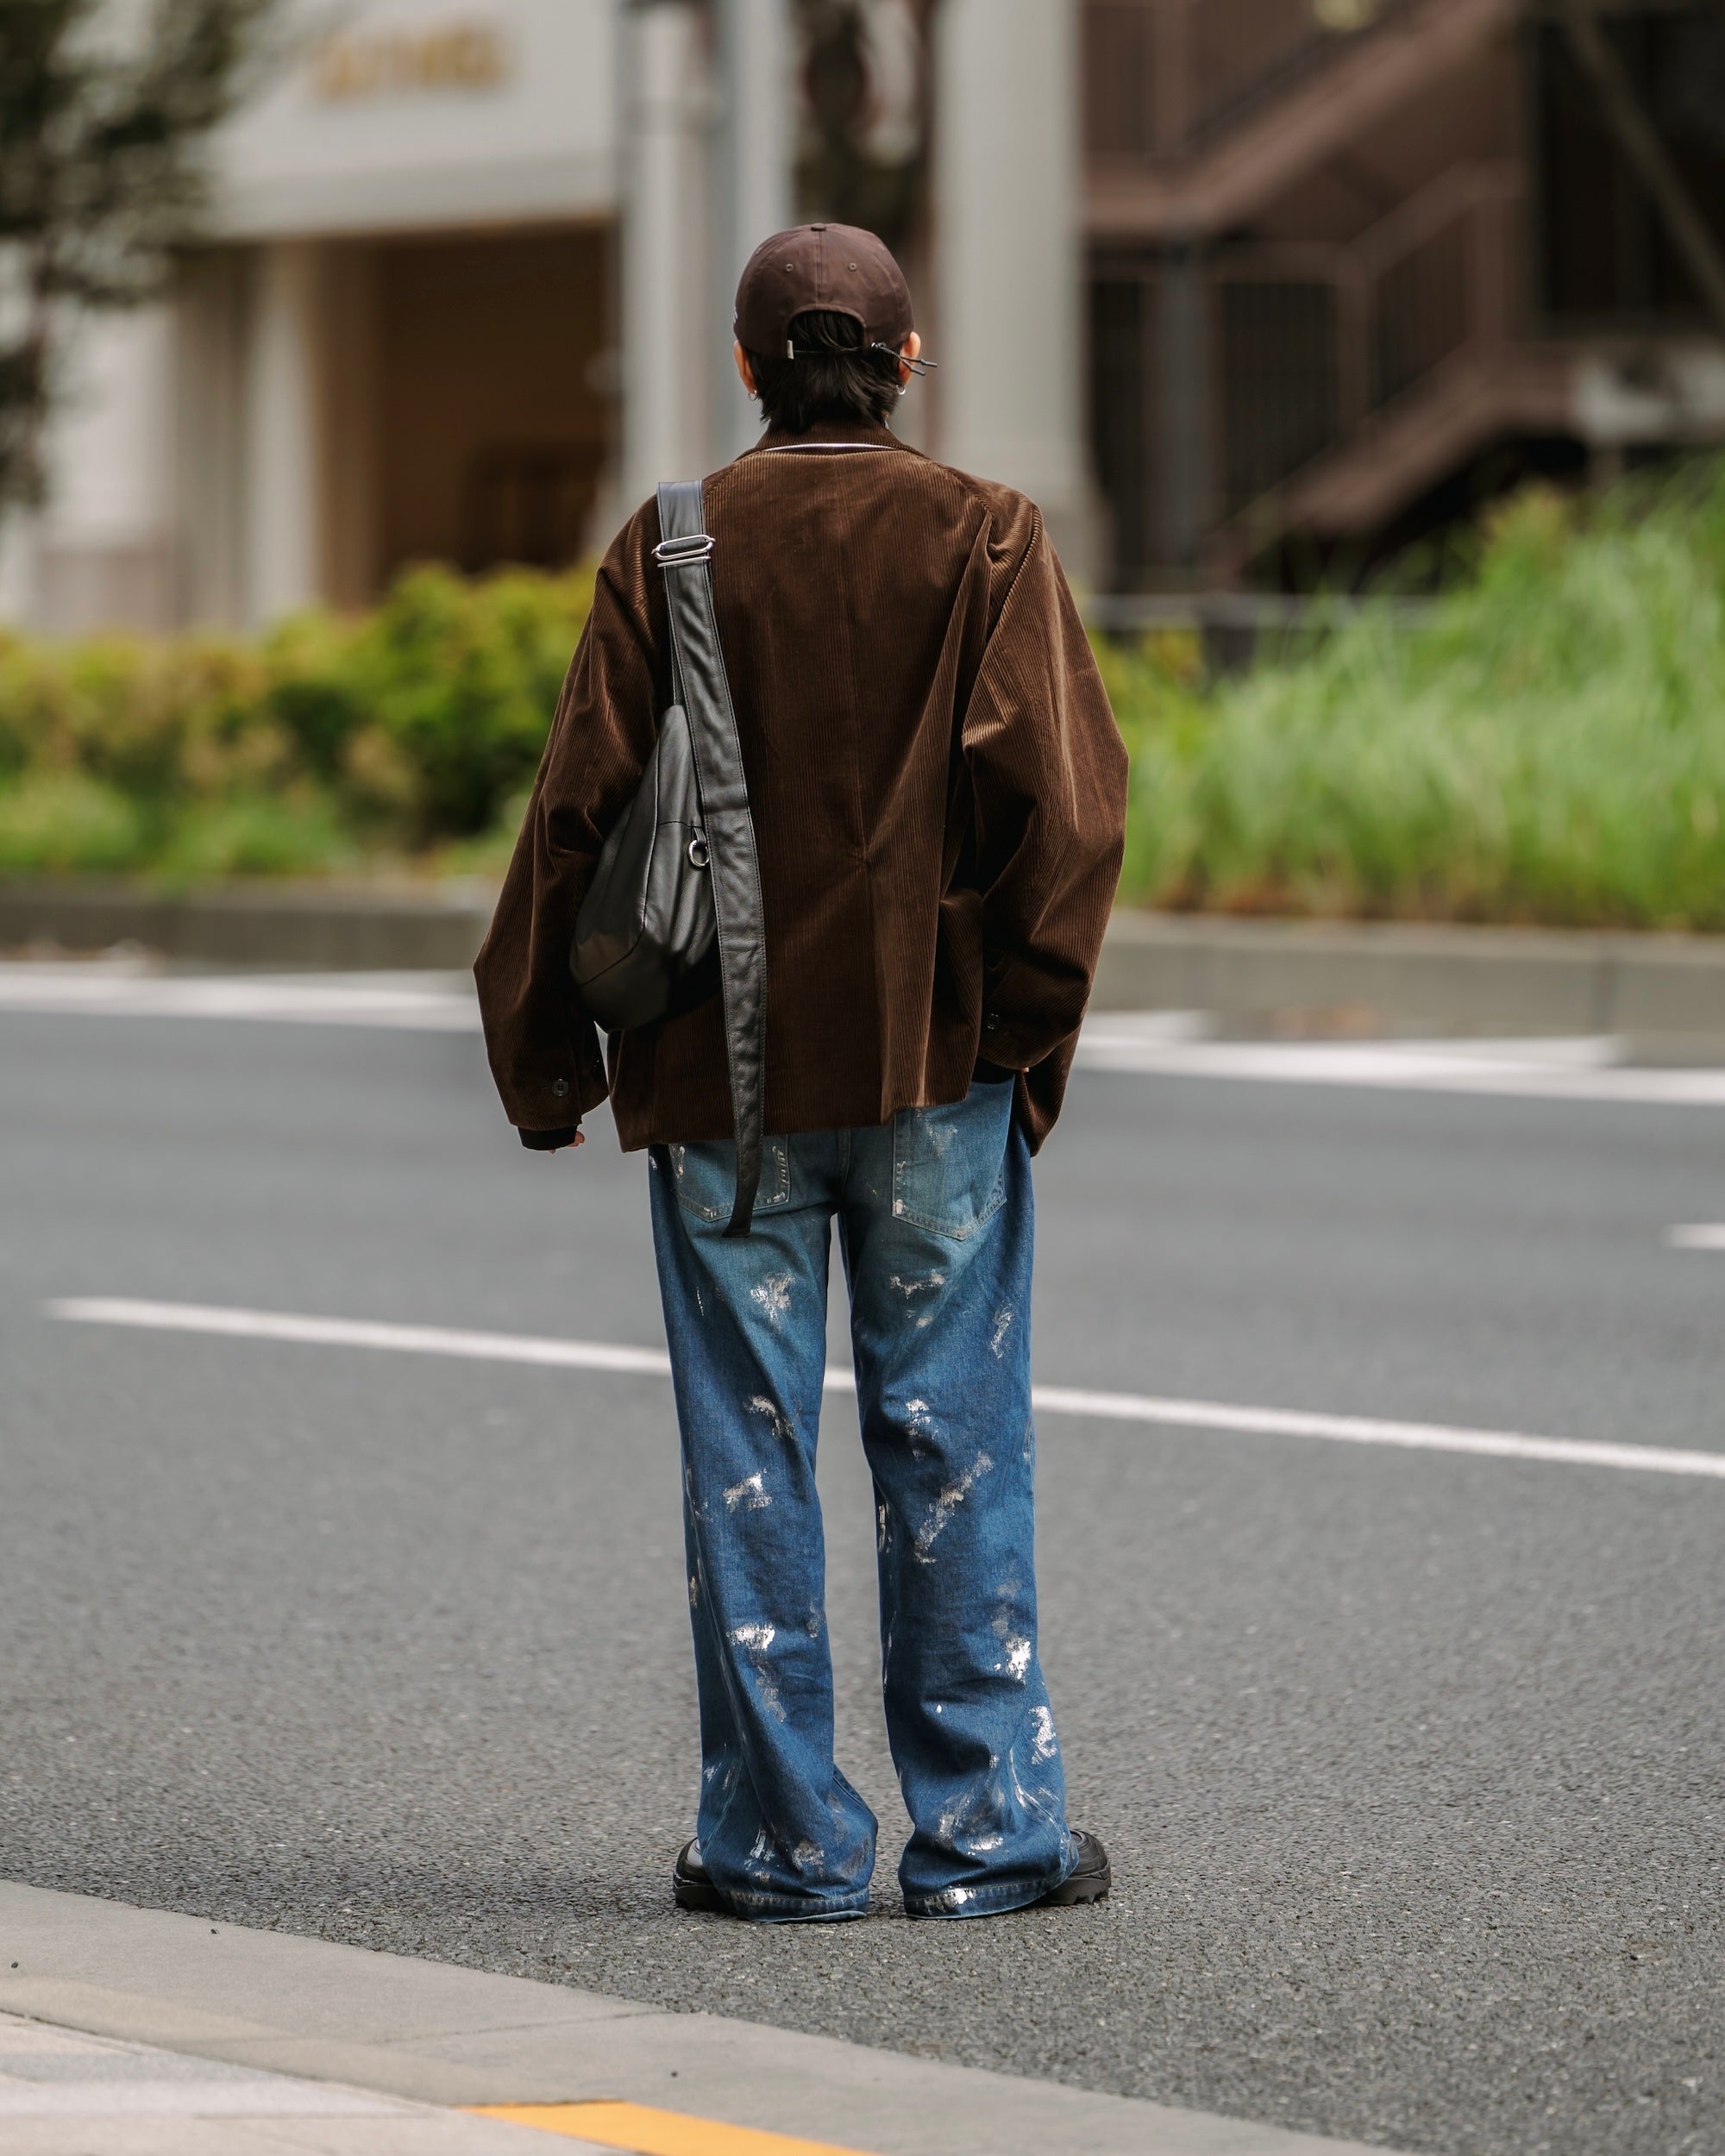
column 692, row 1886
column 1089, row 1880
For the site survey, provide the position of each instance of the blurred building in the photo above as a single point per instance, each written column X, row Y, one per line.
column 1356, row 264
column 1234, row 287
column 393, row 349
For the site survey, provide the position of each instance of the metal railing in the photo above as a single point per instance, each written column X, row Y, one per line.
column 1161, row 76
column 1302, row 351
column 1316, row 341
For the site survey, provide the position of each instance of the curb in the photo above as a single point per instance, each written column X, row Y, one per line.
column 321, row 928
column 1365, row 977
column 431, row 2032
column 1324, row 977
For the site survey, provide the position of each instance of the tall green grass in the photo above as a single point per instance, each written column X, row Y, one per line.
column 1547, row 746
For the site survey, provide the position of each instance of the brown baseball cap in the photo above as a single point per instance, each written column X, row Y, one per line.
column 831, row 268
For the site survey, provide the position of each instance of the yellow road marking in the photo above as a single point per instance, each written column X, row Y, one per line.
column 644, row 2132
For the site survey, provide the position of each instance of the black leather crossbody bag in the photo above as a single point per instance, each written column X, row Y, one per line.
column 674, row 913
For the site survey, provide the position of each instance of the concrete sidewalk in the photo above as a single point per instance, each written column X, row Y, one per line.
column 63, row 2093
column 307, row 2045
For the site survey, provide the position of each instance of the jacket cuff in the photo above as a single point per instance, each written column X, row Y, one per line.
column 1028, row 1012
column 550, row 1141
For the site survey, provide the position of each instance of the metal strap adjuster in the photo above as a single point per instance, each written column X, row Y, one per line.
column 671, row 553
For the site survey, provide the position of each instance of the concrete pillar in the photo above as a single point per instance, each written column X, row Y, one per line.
column 752, row 190
column 1009, row 259
column 283, row 455
column 211, row 359
column 352, row 462
column 667, row 307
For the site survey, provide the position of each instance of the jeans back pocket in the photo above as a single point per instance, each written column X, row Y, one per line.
column 950, row 1164
column 705, row 1176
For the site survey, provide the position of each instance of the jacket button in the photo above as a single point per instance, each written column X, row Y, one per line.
column 992, row 1022
column 560, row 1086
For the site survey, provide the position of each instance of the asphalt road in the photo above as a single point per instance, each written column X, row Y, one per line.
column 1412, row 1765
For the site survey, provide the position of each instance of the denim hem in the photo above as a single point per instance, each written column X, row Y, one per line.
column 998, row 1901
column 785, row 1909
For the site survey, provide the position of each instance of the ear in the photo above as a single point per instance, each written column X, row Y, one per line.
column 912, row 348
column 745, row 374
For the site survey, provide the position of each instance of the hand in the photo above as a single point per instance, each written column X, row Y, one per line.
column 581, row 1139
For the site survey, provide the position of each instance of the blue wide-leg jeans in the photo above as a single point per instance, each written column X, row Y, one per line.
column 936, row 1225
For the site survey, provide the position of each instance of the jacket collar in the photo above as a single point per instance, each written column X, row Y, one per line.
column 859, row 434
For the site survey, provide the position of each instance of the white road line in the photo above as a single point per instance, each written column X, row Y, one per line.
column 431, row 1003
column 1412, row 1437
column 399, row 1339
column 1703, row 1236
column 1557, row 1069
column 1144, row 1044
column 1054, row 1399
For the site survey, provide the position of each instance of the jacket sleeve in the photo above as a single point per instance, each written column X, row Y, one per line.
column 1048, row 775
column 542, row 1044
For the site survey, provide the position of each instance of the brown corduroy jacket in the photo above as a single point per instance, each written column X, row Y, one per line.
column 938, row 791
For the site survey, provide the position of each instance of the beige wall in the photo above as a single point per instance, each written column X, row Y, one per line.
column 492, row 428
column 365, row 130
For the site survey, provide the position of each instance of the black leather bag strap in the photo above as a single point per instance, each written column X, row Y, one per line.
column 683, row 553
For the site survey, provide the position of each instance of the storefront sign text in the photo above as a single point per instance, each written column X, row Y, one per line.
column 398, row 63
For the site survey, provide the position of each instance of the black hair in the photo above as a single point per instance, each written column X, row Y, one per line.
column 833, row 378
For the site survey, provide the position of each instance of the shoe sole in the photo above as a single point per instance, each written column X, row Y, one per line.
column 704, row 1900
column 1074, row 1892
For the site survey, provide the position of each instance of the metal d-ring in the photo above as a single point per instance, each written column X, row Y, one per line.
column 699, row 852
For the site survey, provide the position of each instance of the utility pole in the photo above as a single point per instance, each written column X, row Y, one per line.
column 664, row 107
column 752, row 193
column 1188, row 482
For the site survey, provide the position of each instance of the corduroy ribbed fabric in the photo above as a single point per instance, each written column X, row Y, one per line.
column 938, row 791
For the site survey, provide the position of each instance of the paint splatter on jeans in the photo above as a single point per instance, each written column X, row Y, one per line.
column 935, row 1221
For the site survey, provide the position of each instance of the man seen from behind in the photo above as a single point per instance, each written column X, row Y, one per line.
column 938, row 790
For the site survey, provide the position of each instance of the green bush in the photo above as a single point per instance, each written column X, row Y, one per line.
column 428, row 716
column 406, row 733
column 54, row 821
column 257, row 835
